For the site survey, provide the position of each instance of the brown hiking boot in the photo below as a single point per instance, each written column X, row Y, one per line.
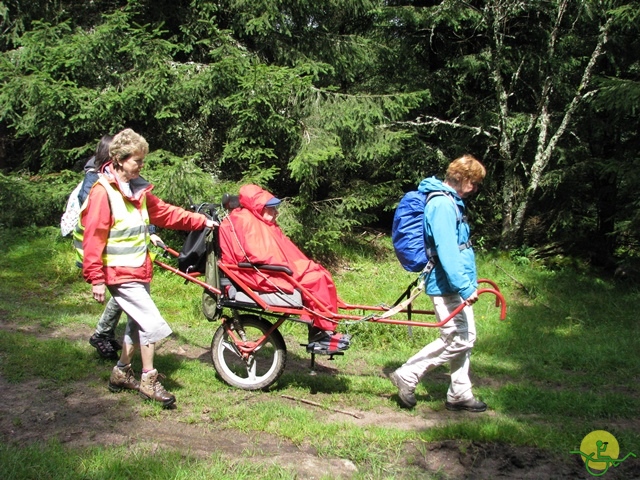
column 122, row 378
column 152, row 389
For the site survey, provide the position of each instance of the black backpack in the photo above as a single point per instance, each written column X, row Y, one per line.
column 193, row 256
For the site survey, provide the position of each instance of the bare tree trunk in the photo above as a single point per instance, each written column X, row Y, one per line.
column 545, row 149
column 516, row 197
column 498, row 12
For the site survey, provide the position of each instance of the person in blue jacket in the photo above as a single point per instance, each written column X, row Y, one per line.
column 452, row 280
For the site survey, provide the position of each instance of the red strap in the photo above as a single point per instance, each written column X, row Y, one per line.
column 334, row 342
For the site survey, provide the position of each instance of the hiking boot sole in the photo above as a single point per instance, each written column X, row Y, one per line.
column 325, row 351
column 165, row 403
column 104, row 348
column 454, row 407
column 117, row 388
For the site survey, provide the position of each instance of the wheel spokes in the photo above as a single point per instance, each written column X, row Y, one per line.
column 252, row 366
column 245, row 364
column 231, row 347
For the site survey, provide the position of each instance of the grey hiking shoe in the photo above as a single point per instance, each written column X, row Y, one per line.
column 405, row 392
column 123, row 378
column 471, row 405
column 105, row 346
column 327, row 343
column 152, row 389
column 117, row 346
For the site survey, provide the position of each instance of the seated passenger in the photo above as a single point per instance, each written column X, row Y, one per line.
column 250, row 234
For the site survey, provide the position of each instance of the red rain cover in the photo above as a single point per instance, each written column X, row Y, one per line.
column 245, row 236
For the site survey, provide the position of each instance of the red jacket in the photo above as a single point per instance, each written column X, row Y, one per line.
column 246, row 236
column 97, row 221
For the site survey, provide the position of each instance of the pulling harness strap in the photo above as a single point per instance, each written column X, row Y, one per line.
column 431, row 253
column 414, row 294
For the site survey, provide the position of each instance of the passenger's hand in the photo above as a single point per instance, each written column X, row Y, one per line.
column 210, row 223
column 473, row 298
column 156, row 240
column 99, row 291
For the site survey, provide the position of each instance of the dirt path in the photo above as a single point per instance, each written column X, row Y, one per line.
column 81, row 414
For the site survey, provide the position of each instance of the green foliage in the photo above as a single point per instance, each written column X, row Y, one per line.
column 340, row 104
column 265, row 109
column 69, row 86
column 35, row 200
column 40, row 200
column 179, row 180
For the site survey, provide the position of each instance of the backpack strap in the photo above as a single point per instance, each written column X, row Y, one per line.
column 431, row 252
column 460, row 218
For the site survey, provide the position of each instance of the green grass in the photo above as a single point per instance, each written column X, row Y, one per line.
column 564, row 363
column 52, row 460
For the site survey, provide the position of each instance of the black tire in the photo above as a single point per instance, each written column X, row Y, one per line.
column 259, row 371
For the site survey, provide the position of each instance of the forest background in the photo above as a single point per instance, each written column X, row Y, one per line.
column 338, row 107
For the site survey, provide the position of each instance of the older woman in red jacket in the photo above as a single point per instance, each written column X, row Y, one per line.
column 114, row 227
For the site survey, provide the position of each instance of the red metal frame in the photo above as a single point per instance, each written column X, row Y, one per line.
column 231, row 272
column 246, row 348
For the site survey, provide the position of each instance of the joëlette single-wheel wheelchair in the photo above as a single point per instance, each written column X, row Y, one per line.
column 247, row 350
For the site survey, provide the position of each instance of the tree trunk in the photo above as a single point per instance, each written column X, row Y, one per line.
column 516, row 200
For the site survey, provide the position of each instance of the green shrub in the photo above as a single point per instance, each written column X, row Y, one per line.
column 35, row 201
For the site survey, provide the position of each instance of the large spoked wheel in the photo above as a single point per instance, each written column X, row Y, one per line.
column 262, row 368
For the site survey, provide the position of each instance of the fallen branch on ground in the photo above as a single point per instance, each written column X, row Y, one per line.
column 321, row 406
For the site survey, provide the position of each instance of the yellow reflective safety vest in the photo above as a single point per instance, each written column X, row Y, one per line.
column 129, row 236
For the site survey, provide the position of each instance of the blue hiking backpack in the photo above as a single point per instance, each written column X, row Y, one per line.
column 407, row 232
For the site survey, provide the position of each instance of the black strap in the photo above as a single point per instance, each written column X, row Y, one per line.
column 274, row 268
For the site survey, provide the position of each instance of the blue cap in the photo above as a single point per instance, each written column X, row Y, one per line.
column 274, row 202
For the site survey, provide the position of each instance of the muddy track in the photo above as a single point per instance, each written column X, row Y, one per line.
column 84, row 414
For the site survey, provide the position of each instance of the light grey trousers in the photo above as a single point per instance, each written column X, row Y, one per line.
column 145, row 324
column 453, row 346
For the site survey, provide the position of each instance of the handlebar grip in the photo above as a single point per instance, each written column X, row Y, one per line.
column 274, row 268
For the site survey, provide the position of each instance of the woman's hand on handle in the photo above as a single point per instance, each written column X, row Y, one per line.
column 157, row 241
column 473, row 298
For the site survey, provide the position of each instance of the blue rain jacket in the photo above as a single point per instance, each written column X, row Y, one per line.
column 455, row 269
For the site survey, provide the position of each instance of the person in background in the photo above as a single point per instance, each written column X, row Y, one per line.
column 251, row 234
column 114, row 225
column 451, row 282
column 93, row 166
column 104, row 338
